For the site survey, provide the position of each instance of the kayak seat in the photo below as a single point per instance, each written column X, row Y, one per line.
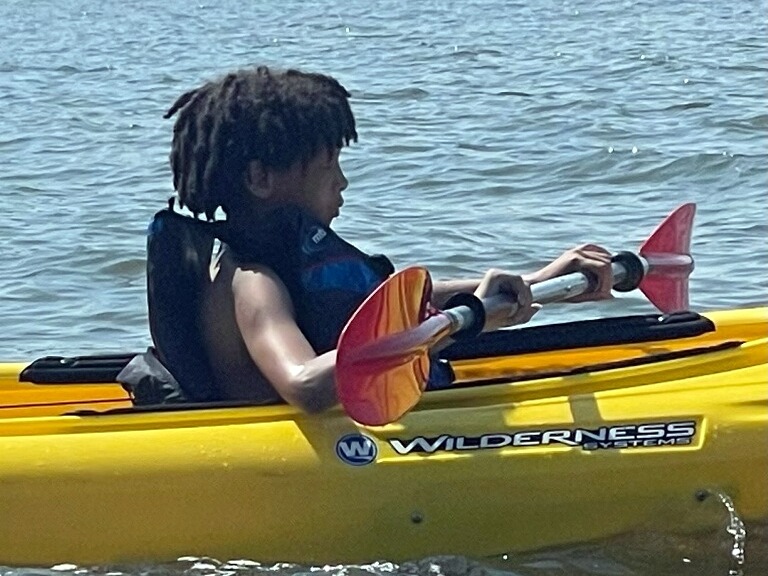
column 179, row 250
column 176, row 369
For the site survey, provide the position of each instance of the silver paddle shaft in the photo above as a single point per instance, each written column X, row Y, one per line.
column 552, row 290
column 570, row 285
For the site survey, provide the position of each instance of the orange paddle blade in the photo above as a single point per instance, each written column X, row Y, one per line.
column 376, row 386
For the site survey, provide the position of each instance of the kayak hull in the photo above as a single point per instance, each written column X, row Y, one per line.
column 477, row 470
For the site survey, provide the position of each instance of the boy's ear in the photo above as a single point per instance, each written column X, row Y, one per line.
column 258, row 180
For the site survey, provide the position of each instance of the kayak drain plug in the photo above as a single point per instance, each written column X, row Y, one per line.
column 702, row 495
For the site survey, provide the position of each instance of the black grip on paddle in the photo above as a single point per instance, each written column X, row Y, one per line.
column 635, row 271
column 478, row 314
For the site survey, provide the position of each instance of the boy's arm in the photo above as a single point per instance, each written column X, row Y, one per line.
column 265, row 317
column 443, row 290
column 588, row 258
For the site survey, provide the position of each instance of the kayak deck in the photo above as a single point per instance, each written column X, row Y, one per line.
column 474, row 470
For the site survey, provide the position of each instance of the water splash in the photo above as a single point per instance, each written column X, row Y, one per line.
column 738, row 531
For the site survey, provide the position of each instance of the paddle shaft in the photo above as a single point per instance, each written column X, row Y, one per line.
column 380, row 366
column 562, row 288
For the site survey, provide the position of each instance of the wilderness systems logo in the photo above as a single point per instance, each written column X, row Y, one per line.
column 649, row 435
column 356, row 449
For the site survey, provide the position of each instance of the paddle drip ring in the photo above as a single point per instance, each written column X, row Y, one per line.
column 634, row 271
column 478, row 314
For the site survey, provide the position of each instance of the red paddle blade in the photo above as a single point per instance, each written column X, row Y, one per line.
column 668, row 253
column 376, row 390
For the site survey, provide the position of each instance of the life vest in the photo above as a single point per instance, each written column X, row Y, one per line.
column 326, row 277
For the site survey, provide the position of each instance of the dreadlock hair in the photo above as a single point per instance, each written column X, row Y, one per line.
column 275, row 117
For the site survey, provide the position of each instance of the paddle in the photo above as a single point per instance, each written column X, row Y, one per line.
column 382, row 359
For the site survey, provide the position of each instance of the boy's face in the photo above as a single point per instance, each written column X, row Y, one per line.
column 316, row 186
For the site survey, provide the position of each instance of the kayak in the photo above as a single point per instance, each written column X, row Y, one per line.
column 549, row 435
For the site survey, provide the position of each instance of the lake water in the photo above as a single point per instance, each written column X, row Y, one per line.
column 491, row 133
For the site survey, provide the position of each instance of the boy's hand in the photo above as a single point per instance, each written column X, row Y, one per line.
column 500, row 282
column 590, row 259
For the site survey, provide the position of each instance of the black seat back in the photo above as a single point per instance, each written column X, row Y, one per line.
column 178, row 258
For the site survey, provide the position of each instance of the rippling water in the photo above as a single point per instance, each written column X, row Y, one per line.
column 492, row 132
column 636, row 555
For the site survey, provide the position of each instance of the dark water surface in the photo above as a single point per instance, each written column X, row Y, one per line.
column 491, row 133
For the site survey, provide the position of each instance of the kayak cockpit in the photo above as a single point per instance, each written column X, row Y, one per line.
column 506, row 356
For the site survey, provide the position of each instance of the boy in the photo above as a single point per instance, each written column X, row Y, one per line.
column 263, row 147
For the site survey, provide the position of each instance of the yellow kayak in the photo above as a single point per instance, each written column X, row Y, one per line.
column 531, row 447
